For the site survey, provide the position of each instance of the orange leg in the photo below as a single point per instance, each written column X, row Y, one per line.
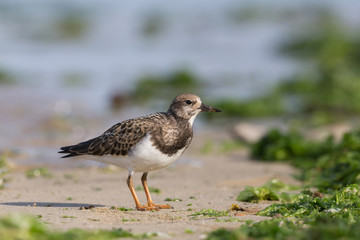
column 150, row 203
column 137, row 202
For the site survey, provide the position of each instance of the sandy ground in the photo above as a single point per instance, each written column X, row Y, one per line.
column 200, row 181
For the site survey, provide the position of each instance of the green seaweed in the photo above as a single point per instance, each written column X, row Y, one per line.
column 256, row 107
column 39, row 172
column 268, row 192
column 335, row 170
column 256, row 194
column 331, row 82
column 278, row 146
column 324, row 89
column 123, row 209
column 324, row 164
column 210, row 213
column 19, row 226
column 321, row 227
column 173, row 200
column 279, row 228
column 153, row 25
column 71, row 26
column 6, row 77
column 277, row 185
column 174, row 83
column 344, row 204
column 226, row 234
column 130, row 220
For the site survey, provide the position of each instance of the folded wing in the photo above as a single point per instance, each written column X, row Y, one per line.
column 118, row 140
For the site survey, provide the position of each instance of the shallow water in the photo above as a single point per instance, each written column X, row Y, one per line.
column 45, row 109
column 113, row 50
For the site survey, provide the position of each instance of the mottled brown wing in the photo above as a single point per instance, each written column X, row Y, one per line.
column 118, row 140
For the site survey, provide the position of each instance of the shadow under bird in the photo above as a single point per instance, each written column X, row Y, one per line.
column 146, row 143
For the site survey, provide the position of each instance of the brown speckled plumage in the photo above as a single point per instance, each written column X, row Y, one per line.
column 168, row 132
column 146, row 143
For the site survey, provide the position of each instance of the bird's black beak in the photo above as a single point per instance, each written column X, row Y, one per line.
column 206, row 108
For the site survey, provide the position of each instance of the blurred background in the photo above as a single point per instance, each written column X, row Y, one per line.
column 71, row 68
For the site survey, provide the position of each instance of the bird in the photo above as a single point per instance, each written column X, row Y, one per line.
column 146, row 143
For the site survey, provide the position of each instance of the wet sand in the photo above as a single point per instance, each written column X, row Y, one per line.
column 200, row 181
column 32, row 133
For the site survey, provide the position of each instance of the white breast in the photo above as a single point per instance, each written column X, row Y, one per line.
column 144, row 158
column 150, row 157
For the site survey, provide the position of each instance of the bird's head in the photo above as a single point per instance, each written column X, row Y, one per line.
column 188, row 106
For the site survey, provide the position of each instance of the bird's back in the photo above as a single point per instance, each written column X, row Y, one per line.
column 165, row 132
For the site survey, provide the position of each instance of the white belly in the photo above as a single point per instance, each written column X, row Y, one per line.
column 144, row 158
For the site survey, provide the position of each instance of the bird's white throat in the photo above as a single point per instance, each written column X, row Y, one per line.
column 192, row 119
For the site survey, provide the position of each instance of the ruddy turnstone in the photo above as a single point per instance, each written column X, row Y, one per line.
column 146, row 143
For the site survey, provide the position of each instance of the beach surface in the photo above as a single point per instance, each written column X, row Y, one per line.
column 97, row 197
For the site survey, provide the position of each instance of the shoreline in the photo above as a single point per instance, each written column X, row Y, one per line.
column 211, row 184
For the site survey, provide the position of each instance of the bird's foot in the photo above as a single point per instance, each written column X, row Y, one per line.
column 147, row 208
column 151, row 204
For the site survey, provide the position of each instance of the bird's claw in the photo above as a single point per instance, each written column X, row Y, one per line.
column 147, row 208
column 167, row 206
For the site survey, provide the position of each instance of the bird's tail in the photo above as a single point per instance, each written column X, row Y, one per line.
column 68, row 150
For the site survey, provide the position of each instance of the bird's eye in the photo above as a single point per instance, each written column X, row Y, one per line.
column 188, row 102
